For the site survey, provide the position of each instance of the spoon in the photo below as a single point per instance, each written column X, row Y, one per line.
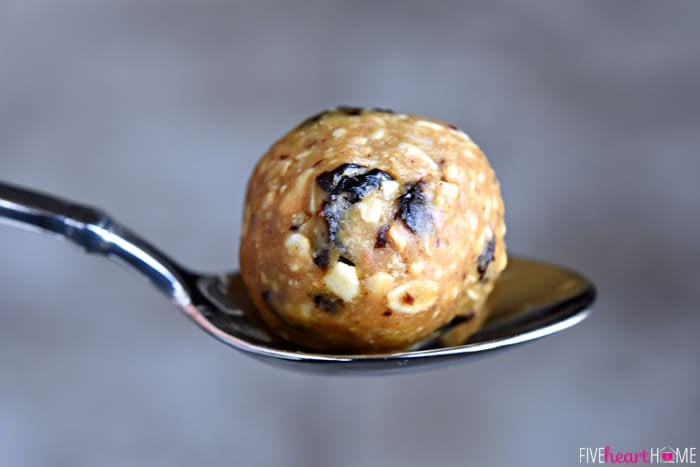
column 531, row 300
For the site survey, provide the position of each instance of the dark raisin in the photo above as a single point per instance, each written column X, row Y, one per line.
column 355, row 188
column 387, row 313
column 452, row 126
column 294, row 228
column 332, row 212
column 381, row 241
column 266, row 295
column 346, row 185
column 344, row 260
column 348, row 110
column 386, row 111
column 329, row 180
column 327, row 304
column 355, row 180
column 412, row 208
column 486, row 257
column 323, row 259
column 284, row 157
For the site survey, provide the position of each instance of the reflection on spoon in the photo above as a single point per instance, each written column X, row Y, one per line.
column 531, row 300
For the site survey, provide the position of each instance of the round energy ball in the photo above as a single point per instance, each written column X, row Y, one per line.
column 367, row 230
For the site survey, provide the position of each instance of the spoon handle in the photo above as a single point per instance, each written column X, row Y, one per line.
column 94, row 231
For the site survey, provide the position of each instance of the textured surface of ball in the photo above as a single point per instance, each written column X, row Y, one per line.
column 367, row 230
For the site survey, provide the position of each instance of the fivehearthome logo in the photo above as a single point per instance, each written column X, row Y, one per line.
column 664, row 455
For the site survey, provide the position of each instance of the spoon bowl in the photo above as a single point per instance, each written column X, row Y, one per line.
column 532, row 299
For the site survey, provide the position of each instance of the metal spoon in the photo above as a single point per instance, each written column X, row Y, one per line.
column 532, row 299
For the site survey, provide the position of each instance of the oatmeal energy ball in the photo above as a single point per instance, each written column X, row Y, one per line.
column 367, row 230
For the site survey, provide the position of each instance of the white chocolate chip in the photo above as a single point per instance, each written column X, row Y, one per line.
column 473, row 294
column 453, row 173
column 342, row 280
column 431, row 125
column 358, row 141
column 298, row 245
column 417, row 267
column 399, row 236
column 413, row 297
column 378, row 134
column 338, row 132
column 380, row 283
column 371, row 210
column 389, row 188
column 299, row 248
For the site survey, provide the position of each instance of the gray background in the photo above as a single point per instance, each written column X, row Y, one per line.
column 158, row 110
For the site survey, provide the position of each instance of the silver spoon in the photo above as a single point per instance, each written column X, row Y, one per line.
column 532, row 299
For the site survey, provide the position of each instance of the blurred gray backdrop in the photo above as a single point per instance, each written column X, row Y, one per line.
column 157, row 110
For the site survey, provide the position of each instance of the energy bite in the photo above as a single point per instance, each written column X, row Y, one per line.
column 367, row 230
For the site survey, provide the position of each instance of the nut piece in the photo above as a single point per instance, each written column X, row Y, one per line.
column 389, row 188
column 342, row 280
column 413, row 297
column 399, row 236
column 371, row 210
